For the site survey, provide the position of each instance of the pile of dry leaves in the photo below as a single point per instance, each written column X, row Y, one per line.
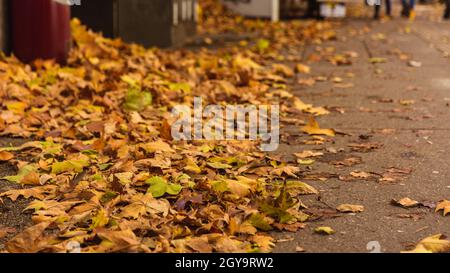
column 100, row 167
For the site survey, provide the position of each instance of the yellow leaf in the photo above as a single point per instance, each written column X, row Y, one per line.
column 72, row 165
column 405, row 202
column 306, row 154
column 350, row 208
column 444, row 206
column 407, row 102
column 191, row 166
column 318, row 111
column 16, row 107
column 305, row 161
column 301, row 68
column 300, row 105
column 239, row 188
column 313, row 128
column 264, row 243
column 100, row 219
column 283, row 70
column 377, row 60
column 432, row 244
column 241, row 62
column 299, row 187
column 324, row 230
column 157, row 146
column 133, row 211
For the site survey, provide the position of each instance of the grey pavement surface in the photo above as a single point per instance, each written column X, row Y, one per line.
column 420, row 142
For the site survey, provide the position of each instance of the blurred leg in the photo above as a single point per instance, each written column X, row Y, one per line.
column 447, row 9
column 405, row 8
column 388, row 7
column 311, row 8
column 377, row 12
column 412, row 12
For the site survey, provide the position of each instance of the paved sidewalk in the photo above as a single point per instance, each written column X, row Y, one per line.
column 414, row 102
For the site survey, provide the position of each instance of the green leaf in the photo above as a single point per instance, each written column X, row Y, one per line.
column 258, row 221
column 105, row 166
column 262, row 45
column 157, row 189
column 220, row 186
column 137, row 100
column 100, row 219
column 173, row 189
column 128, row 79
column 218, row 165
column 24, row 171
column 74, row 165
column 281, row 215
column 377, row 60
column 185, row 87
column 155, row 180
column 108, row 196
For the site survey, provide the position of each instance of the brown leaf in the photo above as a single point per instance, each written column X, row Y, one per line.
column 432, row 244
column 29, row 241
column 301, row 68
column 359, row 174
column 165, row 131
column 4, row 231
column 36, row 192
column 118, row 240
column 5, row 156
column 200, row 245
column 444, row 206
column 312, row 128
column 350, row 208
column 405, row 202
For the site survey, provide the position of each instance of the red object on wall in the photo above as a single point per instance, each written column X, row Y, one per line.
column 40, row 30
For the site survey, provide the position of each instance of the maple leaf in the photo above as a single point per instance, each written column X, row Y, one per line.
column 432, row 244
column 444, row 206
column 36, row 192
column 118, row 240
column 405, row 202
column 29, row 241
column 312, row 128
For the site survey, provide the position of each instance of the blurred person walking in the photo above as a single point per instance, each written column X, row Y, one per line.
column 378, row 7
column 447, row 10
column 408, row 9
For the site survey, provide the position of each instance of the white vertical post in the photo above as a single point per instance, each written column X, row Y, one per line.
column 195, row 11
column 175, row 12
column 189, row 10
column 183, row 10
column 275, row 10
